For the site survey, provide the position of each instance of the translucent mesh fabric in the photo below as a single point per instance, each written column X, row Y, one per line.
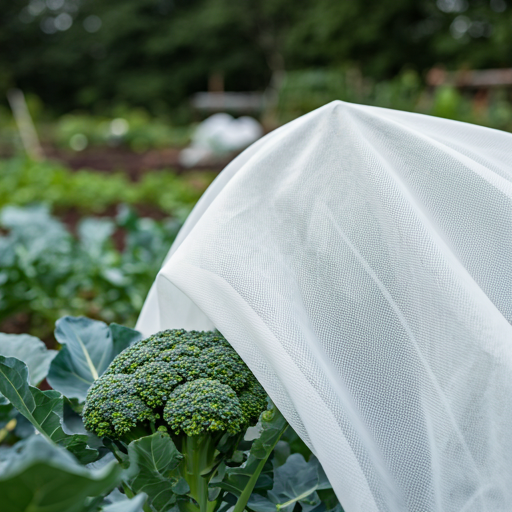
column 360, row 261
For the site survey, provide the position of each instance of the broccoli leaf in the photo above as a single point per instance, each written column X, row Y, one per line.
column 295, row 481
column 117, row 502
column 156, row 458
column 44, row 409
column 94, row 234
column 31, row 350
column 122, row 337
column 41, row 477
column 88, row 347
column 245, row 478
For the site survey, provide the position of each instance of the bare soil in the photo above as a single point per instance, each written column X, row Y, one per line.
column 112, row 159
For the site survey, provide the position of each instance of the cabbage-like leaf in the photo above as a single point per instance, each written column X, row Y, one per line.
column 295, row 481
column 44, row 409
column 118, row 502
column 247, row 477
column 42, row 477
column 88, row 347
column 31, row 350
column 94, row 234
column 156, row 457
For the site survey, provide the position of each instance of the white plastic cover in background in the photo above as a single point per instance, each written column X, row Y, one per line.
column 218, row 135
column 360, row 261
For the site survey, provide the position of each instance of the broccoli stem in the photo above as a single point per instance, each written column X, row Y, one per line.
column 249, row 487
column 199, row 456
column 246, row 493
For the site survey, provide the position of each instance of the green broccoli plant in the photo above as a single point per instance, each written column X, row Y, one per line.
column 167, row 427
column 191, row 386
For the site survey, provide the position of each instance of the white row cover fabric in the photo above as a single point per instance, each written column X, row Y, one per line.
column 359, row 259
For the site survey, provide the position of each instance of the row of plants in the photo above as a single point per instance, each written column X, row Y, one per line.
column 301, row 91
column 24, row 182
column 306, row 90
column 132, row 128
column 175, row 422
column 47, row 272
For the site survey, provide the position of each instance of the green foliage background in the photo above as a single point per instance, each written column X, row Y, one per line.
column 50, row 268
column 24, row 182
column 155, row 53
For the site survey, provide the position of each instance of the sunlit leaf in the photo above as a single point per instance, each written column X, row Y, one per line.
column 88, row 347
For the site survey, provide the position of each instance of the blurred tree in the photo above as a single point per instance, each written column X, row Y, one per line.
column 154, row 53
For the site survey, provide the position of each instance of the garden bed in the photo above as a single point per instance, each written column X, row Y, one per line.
column 134, row 164
column 110, row 236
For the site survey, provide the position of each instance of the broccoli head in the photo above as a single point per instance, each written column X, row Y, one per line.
column 189, row 382
column 203, row 405
column 114, row 408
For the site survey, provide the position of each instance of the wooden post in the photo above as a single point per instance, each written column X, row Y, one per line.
column 25, row 124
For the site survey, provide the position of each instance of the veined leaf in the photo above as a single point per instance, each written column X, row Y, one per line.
column 42, row 477
column 88, row 347
column 117, row 502
column 31, row 350
column 296, row 481
column 123, row 337
column 44, row 409
column 237, row 480
column 156, row 457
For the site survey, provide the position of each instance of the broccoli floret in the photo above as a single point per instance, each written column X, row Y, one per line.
column 113, row 407
column 253, row 400
column 203, row 405
column 155, row 381
column 191, row 382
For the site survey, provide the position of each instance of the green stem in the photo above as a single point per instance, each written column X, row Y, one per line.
column 11, row 425
column 246, row 493
column 199, row 454
column 128, row 491
column 279, row 506
column 187, row 506
column 119, row 459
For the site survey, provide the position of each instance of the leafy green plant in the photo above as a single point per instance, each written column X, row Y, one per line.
column 46, row 272
column 133, row 128
column 40, row 476
column 67, row 468
column 307, row 89
column 24, row 182
column 192, row 386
